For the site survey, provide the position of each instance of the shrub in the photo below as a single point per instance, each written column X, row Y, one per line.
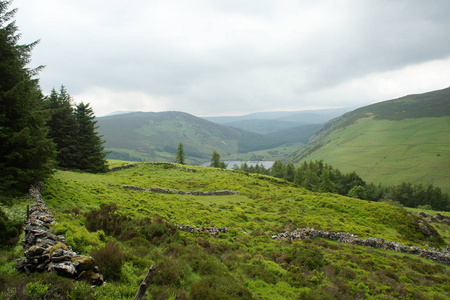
column 36, row 289
column 110, row 260
column 9, row 230
column 219, row 287
column 307, row 256
column 107, row 219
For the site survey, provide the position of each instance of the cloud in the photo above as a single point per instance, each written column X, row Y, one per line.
column 212, row 57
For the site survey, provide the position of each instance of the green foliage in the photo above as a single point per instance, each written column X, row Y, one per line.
column 36, row 290
column 90, row 150
column 358, row 192
column 9, row 230
column 107, row 219
column 236, row 265
column 219, row 287
column 26, row 153
column 74, row 132
column 389, row 152
column 110, row 260
column 180, row 156
column 215, row 161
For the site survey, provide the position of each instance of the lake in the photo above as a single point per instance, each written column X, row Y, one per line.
column 231, row 163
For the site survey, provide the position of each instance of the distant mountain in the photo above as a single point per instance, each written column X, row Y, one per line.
column 155, row 136
column 405, row 139
column 266, row 122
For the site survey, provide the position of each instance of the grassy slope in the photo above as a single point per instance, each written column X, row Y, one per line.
column 391, row 152
column 405, row 139
column 155, row 136
column 265, row 268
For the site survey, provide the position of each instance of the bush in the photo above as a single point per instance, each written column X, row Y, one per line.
column 307, row 256
column 107, row 219
column 110, row 260
column 9, row 230
column 219, row 287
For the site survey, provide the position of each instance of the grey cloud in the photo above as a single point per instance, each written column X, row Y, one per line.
column 216, row 56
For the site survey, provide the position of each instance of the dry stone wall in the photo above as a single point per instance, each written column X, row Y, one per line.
column 214, row 231
column 152, row 163
column 441, row 256
column 45, row 251
column 171, row 191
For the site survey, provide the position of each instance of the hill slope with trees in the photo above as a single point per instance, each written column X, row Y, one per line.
column 154, row 136
column 401, row 140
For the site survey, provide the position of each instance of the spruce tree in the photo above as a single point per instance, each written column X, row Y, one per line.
column 90, row 153
column 180, row 156
column 26, row 152
column 63, row 127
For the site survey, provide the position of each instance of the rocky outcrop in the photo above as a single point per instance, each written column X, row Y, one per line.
column 171, row 191
column 214, row 231
column 45, row 251
column 441, row 256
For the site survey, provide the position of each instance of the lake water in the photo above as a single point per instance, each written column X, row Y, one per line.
column 231, row 163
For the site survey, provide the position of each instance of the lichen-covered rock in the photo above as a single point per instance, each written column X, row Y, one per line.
column 83, row 263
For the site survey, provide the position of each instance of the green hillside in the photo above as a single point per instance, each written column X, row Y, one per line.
column 245, row 263
column 400, row 140
column 154, row 137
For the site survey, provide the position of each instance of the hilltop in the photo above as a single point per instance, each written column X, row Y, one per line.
column 400, row 140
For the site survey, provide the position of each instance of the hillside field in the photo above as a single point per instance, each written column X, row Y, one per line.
column 244, row 263
column 391, row 152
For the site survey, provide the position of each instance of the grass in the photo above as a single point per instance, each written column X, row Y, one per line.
column 243, row 264
column 391, row 152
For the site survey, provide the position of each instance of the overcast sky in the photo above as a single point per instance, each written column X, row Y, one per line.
column 226, row 57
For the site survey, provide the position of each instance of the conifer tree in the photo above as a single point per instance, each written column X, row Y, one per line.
column 63, row 127
column 289, row 172
column 26, row 152
column 326, row 185
column 89, row 151
column 180, row 155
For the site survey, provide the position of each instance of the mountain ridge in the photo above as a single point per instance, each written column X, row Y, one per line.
column 406, row 133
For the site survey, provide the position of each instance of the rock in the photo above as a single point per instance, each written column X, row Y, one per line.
column 83, row 263
column 45, row 251
column 64, row 268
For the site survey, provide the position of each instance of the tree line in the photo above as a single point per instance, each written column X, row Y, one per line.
column 38, row 133
column 318, row 176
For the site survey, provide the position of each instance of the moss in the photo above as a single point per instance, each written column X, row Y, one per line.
column 56, row 247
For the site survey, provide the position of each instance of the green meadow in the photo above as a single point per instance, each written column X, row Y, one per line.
column 391, row 152
column 245, row 263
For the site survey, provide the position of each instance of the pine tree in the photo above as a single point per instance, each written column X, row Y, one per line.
column 326, row 185
column 26, row 152
column 63, row 128
column 89, row 151
column 277, row 169
column 289, row 172
column 180, row 156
